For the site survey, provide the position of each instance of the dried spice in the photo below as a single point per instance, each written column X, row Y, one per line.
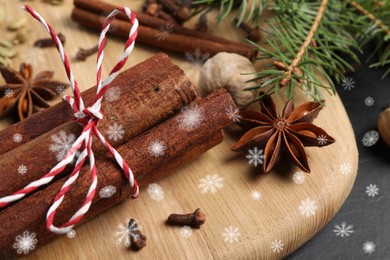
column 48, row 42
column 23, row 91
column 83, row 54
column 288, row 133
column 195, row 219
column 6, row 52
column 17, row 23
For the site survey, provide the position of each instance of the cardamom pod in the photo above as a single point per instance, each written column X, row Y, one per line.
column 5, row 43
column 5, row 61
column 20, row 37
column 17, row 23
column 7, row 52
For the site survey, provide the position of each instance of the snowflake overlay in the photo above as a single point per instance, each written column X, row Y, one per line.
column 25, row 243
column 61, row 144
column 233, row 114
column 22, row 169
column 107, row 192
column 348, row 83
column 322, row 140
column 231, row 234
column 165, row 31
column 186, row 231
column 125, row 232
column 157, row 148
column 277, row 246
column 370, row 138
column 343, row 230
column 369, row 101
column 372, row 190
column 71, row 233
column 17, row 138
column 299, row 177
column 9, row 93
column 190, row 118
column 345, row 168
column 115, row 132
column 369, row 247
column 33, row 56
column 197, row 58
column 308, row 207
column 210, row 183
column 255, row 156
column 60, row 89
column 155, row 192
column 256, row 195
column 112, row 94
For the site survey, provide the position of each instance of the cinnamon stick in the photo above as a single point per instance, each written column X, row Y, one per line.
column 146, row 100
column 100, row 7
column 175, row 42
column 48, row 119
column 145, row 167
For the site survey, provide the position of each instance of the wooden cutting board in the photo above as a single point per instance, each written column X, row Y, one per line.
column 250, row 215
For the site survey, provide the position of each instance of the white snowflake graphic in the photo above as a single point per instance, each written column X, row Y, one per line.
column 345, row 168
column 17, row 138
column 264, row 81
column 255, row 195
column 231, row 234
column 165, row 31
column 190, row 117
column 186, row 231
column 343, row 230
column 369, row 247
column 107, row 192
column 369, row 101
column 25, row 243
column 22, row 169
column 322, row 140
column 348, row 83
column 210, row 183
column 157, row 148
column 277, row 246
column 234, row 114
column 155, row 192
column 299, row 177
column 370, row 138
column 61, row 144
column 372, row 190
column 71, row 233
column 33, row 56
column 9, row 93
column 308, row 207
column 115, row 132
column 197, row 58
column 60, row 89
column 112, row 94
column 255, row 156
column 125, row 232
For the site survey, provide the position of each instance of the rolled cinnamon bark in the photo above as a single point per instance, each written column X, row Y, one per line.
column 100, row 7
column 146, row 100
column 177, row 135
column 134, row 79
column 174, row 42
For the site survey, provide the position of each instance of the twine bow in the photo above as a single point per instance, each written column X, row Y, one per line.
column 89, row 118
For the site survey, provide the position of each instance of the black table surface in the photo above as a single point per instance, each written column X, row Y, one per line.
column 361, row 229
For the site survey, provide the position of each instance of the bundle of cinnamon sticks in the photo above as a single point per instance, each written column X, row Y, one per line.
column 153, row 108
column 159, row 33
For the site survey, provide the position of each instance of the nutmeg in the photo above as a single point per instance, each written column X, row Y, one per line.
column 384, row 125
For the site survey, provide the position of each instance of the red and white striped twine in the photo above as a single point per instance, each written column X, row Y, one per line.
column 88, row 117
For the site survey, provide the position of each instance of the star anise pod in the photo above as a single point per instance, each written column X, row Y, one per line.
column 24, row 91
column 288, row 133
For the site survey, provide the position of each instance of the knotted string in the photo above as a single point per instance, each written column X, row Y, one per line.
column 89, row 118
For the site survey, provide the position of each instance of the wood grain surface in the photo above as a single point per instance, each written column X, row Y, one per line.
column 262, row 210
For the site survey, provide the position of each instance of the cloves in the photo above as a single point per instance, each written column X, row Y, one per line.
column 195, row 219
column 48, row 42
column 83, row 54
column 137, row 239
column 253, row 33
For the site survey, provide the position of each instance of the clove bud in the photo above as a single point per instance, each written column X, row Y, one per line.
column 195, row 219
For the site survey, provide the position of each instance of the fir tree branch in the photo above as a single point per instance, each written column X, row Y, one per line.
column 371, row 16
column 306, row 43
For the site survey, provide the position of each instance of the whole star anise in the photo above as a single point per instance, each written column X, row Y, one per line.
column 23, row 91
column 288, row 133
